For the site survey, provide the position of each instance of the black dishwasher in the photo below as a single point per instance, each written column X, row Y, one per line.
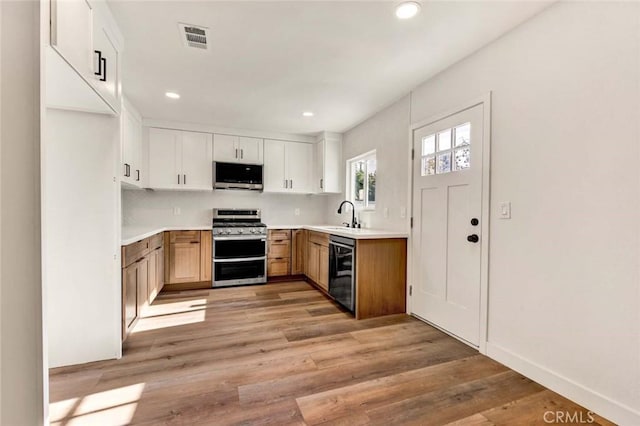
column 342, row 270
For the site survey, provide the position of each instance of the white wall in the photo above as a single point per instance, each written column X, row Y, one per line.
column 22, row 388
column 564, row 300
column 387, row 132
column 156, row 208
column 81, row 234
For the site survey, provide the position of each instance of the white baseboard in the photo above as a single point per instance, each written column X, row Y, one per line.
column 594, row 401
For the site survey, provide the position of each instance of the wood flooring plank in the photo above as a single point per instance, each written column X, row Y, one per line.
column 531, row 410
column 457, row 402
column 344, row 401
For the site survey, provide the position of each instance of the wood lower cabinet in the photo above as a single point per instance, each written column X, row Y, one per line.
column 279, row 253
column 142, row 278
column 298, row 251
column 317, row 259
column 187, row 260
column 129, row 298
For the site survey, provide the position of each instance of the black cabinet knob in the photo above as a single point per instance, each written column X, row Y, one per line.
column 473, row 238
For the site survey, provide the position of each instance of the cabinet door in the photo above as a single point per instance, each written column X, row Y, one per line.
column 106, row 69
column 184, row 266
column 332, row 166
column 251, row 150
column 205, row 256
column 225, row 148
column 165, row 156
column 143, row 285
column 298, row 246
column 323, row 267
column 298, row 166
column 131, row 148
column 129, row 298
column 274, row 167
column 318, row 172
column 313, row 259
column 160, row 270
column 71, row 33
column 196, row 160
column 152, row 286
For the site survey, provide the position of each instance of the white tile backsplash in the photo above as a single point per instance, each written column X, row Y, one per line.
column 156, row 208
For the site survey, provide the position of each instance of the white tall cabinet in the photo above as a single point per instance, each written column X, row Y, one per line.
column 287, row 166
column 180, row 159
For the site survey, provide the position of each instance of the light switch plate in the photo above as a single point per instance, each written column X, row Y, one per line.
column 176, row 211
column 386, row 212
column 403, row 212
column 505, row 210
column 296, row 212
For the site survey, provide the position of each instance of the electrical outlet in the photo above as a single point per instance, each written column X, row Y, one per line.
column 296, row 212
column 403, row 212
column 385, row 212
column 176, row 211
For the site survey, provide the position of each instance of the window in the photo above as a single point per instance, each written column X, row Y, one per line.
column 361, row 184
column 447, row 150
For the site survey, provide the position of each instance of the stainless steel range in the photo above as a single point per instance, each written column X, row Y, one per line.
column 239, row 247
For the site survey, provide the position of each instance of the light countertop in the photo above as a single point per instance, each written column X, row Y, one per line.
column 357, row 234
column 131, row 234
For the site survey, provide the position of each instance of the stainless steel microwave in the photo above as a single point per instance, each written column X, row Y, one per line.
column 237, row 176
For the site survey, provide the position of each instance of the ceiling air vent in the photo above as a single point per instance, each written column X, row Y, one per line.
column 194, row 36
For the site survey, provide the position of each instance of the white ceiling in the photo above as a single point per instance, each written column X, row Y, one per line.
column 270, row 61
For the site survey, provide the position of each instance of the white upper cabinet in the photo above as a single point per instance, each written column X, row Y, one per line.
column 85, row 35
column 197, row 171
column 237, row 149
column 133, row 171
column 180, row 159
column 72, row 31
column 106, row 66
column 328, row 164
column 287, row 167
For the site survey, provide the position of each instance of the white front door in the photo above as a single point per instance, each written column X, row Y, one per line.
column 447, row 215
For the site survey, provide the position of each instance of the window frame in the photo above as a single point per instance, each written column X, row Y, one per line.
column 350, row 184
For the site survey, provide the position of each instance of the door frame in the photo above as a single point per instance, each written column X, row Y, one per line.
column 484, row 100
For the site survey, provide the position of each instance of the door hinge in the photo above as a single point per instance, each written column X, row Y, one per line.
column 411, row 222
column 410, row 290
column 413, row 154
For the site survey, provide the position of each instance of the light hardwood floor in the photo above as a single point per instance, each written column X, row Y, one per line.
column 284, row 354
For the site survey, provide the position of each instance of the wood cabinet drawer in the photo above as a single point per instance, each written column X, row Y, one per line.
column 280, row 250
column 279, row 234
column 184, row 237
column 319, row 238
column 134, row 251
column 156, row 241
column 278, row 267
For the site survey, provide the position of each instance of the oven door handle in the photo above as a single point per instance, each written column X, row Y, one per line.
column 333, row 243
column 241, row 237
column 244, row 259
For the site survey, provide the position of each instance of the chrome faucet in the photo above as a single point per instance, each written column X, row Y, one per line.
column 354, row 223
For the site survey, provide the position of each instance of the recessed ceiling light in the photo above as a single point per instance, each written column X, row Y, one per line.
column 172, row 95
column 407, row 9
column 307, row 114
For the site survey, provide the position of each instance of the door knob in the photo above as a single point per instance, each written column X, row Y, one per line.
column 473, row 238
column 475, row 221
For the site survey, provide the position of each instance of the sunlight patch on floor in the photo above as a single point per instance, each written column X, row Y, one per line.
column 112, row 407
column 187, row 316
